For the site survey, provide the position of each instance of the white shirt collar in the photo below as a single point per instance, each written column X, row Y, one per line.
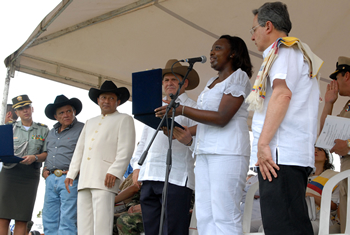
column 267, row 50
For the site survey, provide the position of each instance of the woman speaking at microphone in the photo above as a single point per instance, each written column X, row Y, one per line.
column 222, row 145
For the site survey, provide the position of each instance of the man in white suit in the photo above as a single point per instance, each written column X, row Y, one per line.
column 101, row 157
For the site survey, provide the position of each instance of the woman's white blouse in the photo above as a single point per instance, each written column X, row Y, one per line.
column 232, row 139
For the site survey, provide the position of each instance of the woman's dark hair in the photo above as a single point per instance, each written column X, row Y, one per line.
column 240, row 53
column 327, row 164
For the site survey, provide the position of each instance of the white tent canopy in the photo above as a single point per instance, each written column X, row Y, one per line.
column 84, row 42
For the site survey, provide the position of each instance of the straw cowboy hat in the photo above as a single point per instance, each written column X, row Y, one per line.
column 193, row 78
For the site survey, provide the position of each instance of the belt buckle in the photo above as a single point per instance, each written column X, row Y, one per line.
column 58, row 172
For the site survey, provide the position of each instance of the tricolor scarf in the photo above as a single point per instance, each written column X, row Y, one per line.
column 348, row 107
column 257, row 96
column 316, row 185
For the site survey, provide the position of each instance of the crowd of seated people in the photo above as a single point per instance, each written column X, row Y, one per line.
column 324, row 171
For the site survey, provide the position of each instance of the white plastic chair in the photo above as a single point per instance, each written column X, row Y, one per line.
column 193, row 224
column 326, row 203
column 248, row 208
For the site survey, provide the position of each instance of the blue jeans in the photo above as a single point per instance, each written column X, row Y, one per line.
column 60, row 207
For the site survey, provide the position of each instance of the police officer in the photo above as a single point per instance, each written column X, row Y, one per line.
column 340, row 85
column 19, row 182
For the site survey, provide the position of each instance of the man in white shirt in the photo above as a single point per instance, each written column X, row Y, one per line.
column 102, row 154
column 152, row 172
column 285, row 129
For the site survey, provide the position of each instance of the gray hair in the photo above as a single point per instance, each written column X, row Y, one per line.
column 277, row 13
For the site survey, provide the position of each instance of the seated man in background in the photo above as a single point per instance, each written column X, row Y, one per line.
column 128, row 222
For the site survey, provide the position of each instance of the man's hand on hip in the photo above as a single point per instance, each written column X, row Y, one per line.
column 266, row 165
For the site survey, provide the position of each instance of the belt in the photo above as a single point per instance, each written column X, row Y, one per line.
column 58, row 172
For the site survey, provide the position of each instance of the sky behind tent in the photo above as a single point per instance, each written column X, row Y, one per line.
column 19, row 18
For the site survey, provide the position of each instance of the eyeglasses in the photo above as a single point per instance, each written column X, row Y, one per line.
column 252, row 30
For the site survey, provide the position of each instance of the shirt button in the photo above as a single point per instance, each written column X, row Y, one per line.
column 92, row 139
column 99, row 124
column 55, row 147
column 89, row 148
column 96, row 131
column 53, row 156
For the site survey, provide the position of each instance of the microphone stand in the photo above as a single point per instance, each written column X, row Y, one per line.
column 172, row 105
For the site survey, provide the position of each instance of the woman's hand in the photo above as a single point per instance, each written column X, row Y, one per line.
column 29, row 159
column 160, row 112
column 309, row 194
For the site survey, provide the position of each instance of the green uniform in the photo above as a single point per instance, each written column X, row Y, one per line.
column 129, row 223
column 35, row 137
column 343, row 185
column 17, row 180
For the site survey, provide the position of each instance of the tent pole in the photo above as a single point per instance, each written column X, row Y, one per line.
column 5, row 96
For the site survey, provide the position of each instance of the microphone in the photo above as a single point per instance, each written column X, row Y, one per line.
column 201, row 59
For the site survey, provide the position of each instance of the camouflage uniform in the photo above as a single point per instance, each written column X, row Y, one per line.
column 129, row 223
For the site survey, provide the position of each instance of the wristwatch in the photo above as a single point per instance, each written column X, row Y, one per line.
column 36, row 157
column 348, row 142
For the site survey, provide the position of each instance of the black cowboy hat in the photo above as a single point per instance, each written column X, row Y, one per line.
column 61, row 101
column 109, row 86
